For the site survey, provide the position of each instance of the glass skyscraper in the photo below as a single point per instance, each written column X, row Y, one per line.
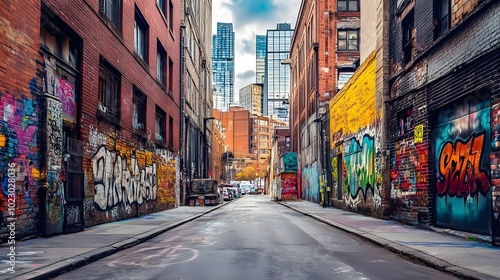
column 223, row 66
column 260, row 56
column 277, row 82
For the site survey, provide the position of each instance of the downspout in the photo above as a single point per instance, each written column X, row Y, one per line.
column 181, row 118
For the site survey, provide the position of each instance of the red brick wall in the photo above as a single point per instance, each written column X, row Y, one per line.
column 19, row 109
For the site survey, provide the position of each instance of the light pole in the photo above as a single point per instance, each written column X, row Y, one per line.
column 205, row 150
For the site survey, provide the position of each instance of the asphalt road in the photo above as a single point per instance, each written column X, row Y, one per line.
column 254, row 238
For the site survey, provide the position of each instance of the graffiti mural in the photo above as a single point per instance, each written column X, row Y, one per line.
column 18, row 145
column 462, row 168
column 121, row 181
column 310, row 178
column 288, row 186
column 409, row 173
column 290, row 162
column 460, row 172
column 360, row 164
column 61, row 85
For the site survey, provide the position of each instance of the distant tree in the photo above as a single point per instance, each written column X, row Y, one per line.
column 252, row 171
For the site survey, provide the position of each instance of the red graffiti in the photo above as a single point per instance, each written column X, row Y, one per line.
column 460, row 171
column 289, row 186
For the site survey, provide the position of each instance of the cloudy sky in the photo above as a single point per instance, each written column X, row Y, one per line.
column 250, row 18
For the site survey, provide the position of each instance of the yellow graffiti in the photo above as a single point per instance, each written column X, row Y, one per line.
column 3, row 140
column 418, row 134
column 35, row 173
column 354, row 107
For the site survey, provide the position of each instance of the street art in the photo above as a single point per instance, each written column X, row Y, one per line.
column 288, row 186
column 460, row 172
column 73, row 214
column 408, row 173
column 462, row 153
column 121, row 181
column 290, row 162
column 18, row 145
column 65, row 93
column 55, row 192
column 311, row 179
column 167, row 178
column 360, row 164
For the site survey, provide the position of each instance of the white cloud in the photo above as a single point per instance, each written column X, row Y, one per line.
column 251, row 17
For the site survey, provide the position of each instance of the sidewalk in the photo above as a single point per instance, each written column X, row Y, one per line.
column 41, row 258
column 463, row 258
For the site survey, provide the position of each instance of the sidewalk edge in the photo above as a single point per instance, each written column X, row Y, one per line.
column 78, row 261
column 420, row 256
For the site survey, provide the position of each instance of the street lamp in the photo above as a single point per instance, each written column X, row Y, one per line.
column 205, row 150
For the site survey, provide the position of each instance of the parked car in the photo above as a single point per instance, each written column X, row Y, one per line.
column 243, row 192
column 227, row 191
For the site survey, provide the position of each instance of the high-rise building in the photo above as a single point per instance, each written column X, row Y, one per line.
column 260, row 58
column 277, row 82
column 223, row 66
column 251, row 98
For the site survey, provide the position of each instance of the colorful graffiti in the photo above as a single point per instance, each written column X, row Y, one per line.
column 290, row 162
column 288, row 186
column 55, row 188
column 460, row 172
column 409, row 173
column 118, row 182
column 310, row 178
column 167, row 180
column 462, row 141
column 61, row 85
column 360, row 164
column 18, row 145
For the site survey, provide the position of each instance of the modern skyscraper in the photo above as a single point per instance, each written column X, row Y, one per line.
column 223, row 66
column 260, row 57
column 277, row 82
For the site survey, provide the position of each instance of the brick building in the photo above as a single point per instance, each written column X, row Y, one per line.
column 89, row 103
column 444, row 100
column 324, row 51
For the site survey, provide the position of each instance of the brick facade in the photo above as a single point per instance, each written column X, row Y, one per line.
column 112, row 169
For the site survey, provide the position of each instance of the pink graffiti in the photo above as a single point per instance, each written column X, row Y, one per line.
column 288, row 186
column 65, row 94
column 460, row 168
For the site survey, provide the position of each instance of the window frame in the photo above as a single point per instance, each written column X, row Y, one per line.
column 140, row 24
column 160, row 125
column 161, row 64
column 109, row 74
column 139, row 101
column 347, row 6
column 111, row 10
column 347, row 40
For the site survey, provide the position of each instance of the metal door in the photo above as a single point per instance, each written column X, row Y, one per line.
column 73, row 187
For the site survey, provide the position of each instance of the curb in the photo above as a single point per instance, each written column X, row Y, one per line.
column 72, row 263
column 414, row 254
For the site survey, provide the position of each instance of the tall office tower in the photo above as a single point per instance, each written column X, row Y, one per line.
column 277, row 82
column 223, row 66
column 260, row 57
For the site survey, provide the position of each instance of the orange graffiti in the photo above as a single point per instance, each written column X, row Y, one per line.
column 460, row 168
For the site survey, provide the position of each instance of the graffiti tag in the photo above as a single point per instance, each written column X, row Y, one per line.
column 460, row 172
column 117, row 182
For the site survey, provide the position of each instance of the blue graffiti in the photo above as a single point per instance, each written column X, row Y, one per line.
column 360, row 165
column 310, row 179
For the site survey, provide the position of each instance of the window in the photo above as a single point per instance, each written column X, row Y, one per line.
column 161, row 57
column 348, row 5
column 407, row 28
column 160, row 125
column 343, row 78
column 405, row 121
column 443, row 17
column 162, row 5
column 170, row 75
column 139, row 110
column 171, row 15
column 140, row 36
column 111, row 9
column 109, row 90
column 287, row 142
column 170, row 131
column 347, row 40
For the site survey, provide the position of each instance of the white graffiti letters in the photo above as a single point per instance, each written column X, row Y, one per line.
column 116, row 182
